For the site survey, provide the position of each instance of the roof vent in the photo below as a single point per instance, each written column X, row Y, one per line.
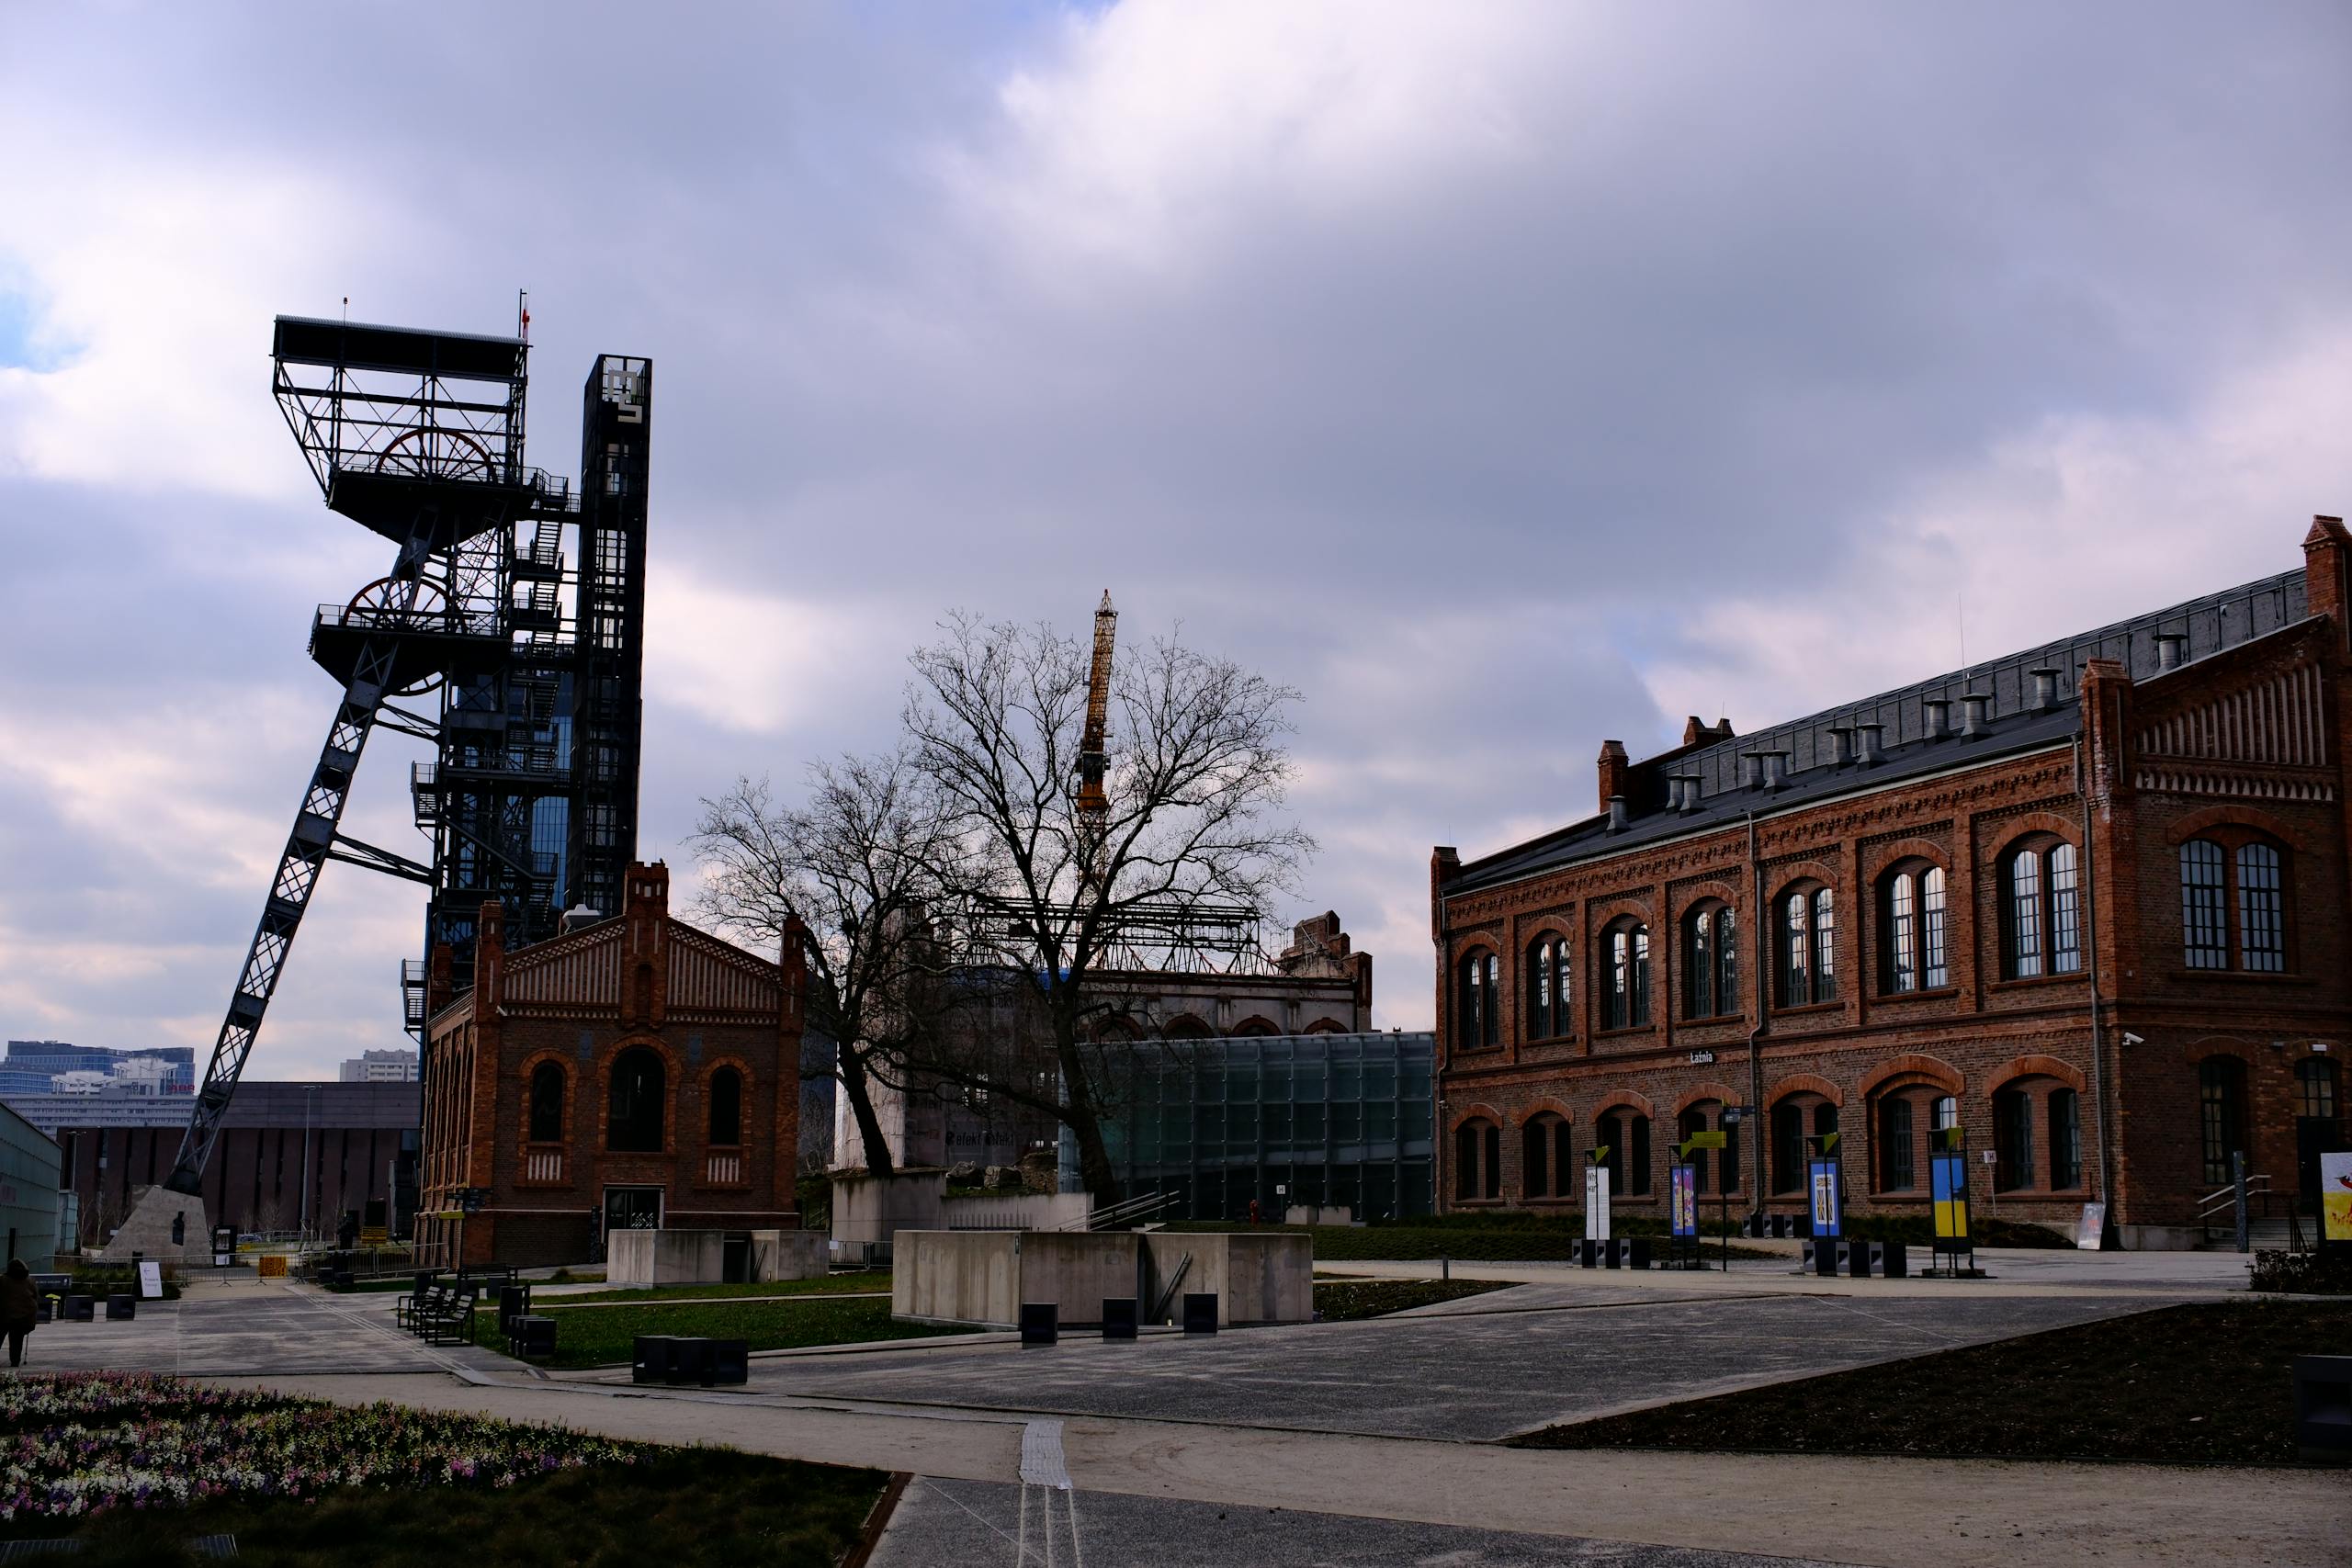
column 2045, row 689
column 1937, row 717
column 2171, row 649
column 1689, row 800
column 1841, row 747
column 1866, row 746
column 1975, row 707
column 1616, row 813
column 1768, row 768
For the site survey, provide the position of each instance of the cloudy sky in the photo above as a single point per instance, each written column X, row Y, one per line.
column 1503, row 376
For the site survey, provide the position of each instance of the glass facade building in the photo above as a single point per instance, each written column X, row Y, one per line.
column 1337, row 1120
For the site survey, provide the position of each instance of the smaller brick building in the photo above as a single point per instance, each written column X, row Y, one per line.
column 632, row 1072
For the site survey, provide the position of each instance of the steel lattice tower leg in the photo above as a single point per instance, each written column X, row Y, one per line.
column 308, row 848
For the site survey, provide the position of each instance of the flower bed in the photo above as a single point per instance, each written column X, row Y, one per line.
column 73, row 1446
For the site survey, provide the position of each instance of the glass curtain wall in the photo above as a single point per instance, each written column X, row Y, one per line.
column 1341, row 1120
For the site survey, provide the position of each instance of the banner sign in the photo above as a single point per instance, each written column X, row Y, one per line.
column 2090, row 1227
column 1948, row 1185
column 1826, row 1210
column 1683, row 1181
column 1705, row 1141
column 2336, row 1195
column 1596, row 1202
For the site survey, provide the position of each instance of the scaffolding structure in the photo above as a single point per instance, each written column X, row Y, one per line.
column 508, row 634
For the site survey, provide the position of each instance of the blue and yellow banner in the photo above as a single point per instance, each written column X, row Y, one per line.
column 1947, row 1184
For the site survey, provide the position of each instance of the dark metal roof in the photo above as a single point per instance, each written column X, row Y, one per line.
column 362, row 345
column 2213, row 623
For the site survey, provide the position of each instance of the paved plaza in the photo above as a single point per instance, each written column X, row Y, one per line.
column 1367, row 1443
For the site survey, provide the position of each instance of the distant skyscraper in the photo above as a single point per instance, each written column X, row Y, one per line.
column 382, row 1067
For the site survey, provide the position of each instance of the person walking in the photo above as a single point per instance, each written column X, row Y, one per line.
column 19, row 1308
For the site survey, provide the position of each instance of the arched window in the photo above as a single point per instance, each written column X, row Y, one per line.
column 1626, row 950
column 2042, row 925
column 2220, row 1115
column 1911, row 929
column 1710, row 961
column 1477, row 1014
column 1898, row 1160
column 726, row 1107
column 1693, row 1120
column 1626, row 1136
column 1788, row 1148
column 2065, row 1118
column 546, row 1103
column 640, row 1090
column 1547, row 1016
column 1477, row 1161
column 2013, row 1164
column 1546, row 1158
column 1808, row 947
column 2234, row 903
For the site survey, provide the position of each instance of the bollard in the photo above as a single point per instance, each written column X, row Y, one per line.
column 1040, row 1322
column 1200, row 1312
column 1119, row 1316
column 1588, row 1252
column 656, row 1355
column 2323, row 1408
column 1444, row 1267
column 1894, row 1260
column 1857, row 1256
column 120, row 1306
column 1612, row 1253
column 1638, row 1252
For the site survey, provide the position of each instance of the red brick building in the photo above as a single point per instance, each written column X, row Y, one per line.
column 2088, row 901
column 632, row 1072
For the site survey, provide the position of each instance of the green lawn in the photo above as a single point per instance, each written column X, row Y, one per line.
column 607, row 1338
column 1347, row 1301
column 862, row 1281
column 685, row 1508
column 2209, row 1384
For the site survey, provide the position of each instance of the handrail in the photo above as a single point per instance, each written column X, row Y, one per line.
column 2213, row 1203
column 1129, row 1209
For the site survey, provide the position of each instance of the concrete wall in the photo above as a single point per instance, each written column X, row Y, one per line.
column 699, row 1257
column 876, row 1208
column 986, row 1276
column 1018, row 1211
column 1258, row 1276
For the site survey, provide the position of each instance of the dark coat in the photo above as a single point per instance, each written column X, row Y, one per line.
column 19, row 1305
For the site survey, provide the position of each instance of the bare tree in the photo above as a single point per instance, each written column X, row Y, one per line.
column 849, row 873
column 1048, row 886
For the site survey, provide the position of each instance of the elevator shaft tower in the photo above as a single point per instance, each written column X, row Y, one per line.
column 522, row 671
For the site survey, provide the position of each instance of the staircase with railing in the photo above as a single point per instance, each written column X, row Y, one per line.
column 2272, row 1223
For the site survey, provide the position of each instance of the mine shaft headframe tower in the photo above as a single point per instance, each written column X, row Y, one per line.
column 418, row 436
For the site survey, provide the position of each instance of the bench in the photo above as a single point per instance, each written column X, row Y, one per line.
column 443, row 1315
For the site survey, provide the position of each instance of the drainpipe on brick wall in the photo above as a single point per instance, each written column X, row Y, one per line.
column 1759, row 923
column 2090, row 946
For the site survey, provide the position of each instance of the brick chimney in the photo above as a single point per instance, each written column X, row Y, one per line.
column 645, row 945
column 2327, row 550
column 1614, row 770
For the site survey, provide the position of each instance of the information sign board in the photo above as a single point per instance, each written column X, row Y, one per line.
column 2336, row 1195
column 1948, row 1186
column 1683, row 1181
column 151, row 1279
column 1705, row 1141
column 1596, row 1202
column 1826, row 1210
column 2090, row 1227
